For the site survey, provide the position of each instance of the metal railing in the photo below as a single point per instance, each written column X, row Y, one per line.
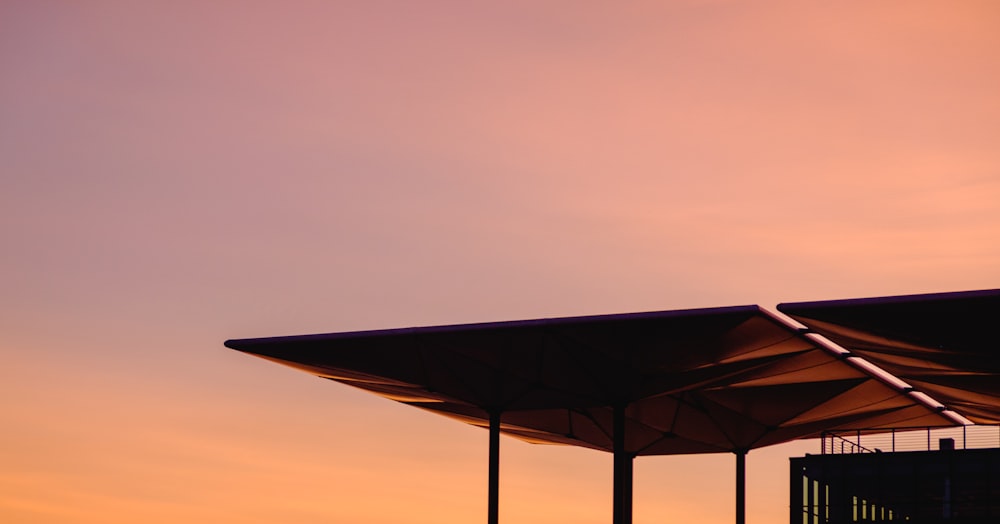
column 910, row 439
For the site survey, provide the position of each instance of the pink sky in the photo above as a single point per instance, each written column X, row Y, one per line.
column 178, row 173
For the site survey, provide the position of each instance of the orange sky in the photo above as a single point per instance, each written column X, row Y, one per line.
column 178, row 173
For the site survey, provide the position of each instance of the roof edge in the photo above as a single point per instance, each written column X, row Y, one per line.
column 245, row 344
column 892, row 299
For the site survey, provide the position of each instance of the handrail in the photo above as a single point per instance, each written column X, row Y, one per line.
column 847, row 441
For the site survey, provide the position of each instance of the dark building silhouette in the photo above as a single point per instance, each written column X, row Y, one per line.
column 942, row 485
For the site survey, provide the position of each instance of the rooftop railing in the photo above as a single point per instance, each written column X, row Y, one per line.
column 910, row 439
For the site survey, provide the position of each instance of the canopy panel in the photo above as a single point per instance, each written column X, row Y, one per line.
column 942, row 344
column 690, row 381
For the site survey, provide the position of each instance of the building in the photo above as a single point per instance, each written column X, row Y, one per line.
column 951, row 480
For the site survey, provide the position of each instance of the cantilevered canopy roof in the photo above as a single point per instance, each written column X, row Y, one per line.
column 689, row 381
column 669, row 382
column 943, row 344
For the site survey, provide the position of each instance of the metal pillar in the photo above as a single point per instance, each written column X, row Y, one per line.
column 796, row 507
column 741, row 486
column 493, row 509
column 622, row 504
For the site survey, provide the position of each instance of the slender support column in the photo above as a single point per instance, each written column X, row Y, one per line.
column 622, row 503
column 494, row 474
column 741, row 486
column 795, row 504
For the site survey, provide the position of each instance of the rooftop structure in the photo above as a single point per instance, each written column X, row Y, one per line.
column 671, row 382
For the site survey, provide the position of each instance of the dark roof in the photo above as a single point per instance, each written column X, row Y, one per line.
column 690, row 381
column 943, row 344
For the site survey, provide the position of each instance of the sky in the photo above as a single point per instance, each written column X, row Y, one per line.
column 175, row 174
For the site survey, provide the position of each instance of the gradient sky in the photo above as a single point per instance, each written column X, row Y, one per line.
column 178, row 173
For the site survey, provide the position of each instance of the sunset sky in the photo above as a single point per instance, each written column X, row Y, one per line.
column 175, row 174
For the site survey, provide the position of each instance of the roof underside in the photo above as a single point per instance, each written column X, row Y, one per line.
column 942, row 344
column 690, row 381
